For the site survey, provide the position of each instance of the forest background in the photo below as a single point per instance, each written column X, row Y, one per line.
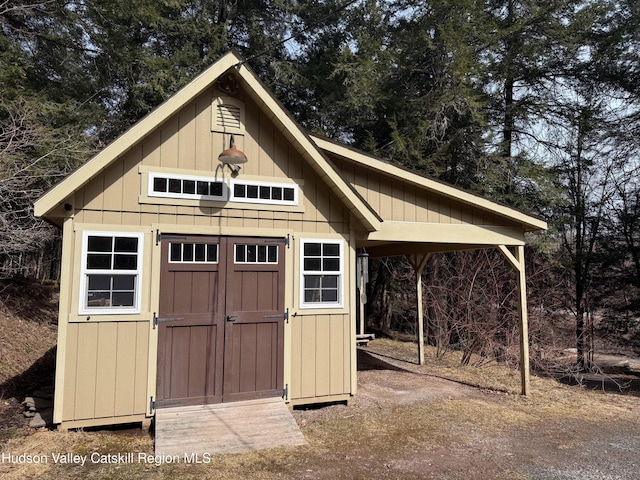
column 534, row 104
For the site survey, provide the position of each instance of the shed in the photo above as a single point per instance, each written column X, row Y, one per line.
column 188, row 280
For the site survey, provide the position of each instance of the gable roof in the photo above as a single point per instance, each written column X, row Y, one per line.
column 528, row 222
column 254, row 87
column 312, row 148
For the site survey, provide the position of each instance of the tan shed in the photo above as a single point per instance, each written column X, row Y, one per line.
column 189, row 280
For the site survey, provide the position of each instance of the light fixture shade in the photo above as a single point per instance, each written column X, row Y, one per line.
column 232, row 156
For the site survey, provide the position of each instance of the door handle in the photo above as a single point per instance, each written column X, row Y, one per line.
column 231, row 318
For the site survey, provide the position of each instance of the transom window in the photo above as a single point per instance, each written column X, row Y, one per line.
column 264, row 192
column 193, row 253
column 322, row 268
column 111, row 270
column 256, row 253
column 186, row 186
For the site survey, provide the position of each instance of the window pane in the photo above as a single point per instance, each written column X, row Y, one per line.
column 126, row 244
column 331, row 265
column 200, row 252
column 262, row 253
column 273, row 254
column 312, row 281
column 125, row 262
column 99, row 299
column 212, row 253
column 239, row 190
column 276, row 193
column 176, row 252
column 99, row 282
column 189, row 187
column 265, row 193
column 203, row 188
column 312, row 249
column 330, row 296
column 216, row 189
column 159, row 184
column 330, row 281
column 289, row 194
column 187, row 252
column 99, row 244
column 331, row 250
column 175, row 185
column 99, row 261
column 252, row 191
column 124, row 282
column 241, row 253
column 311, row 296
column 312, row 264
column 251, row 253
column 122, row 299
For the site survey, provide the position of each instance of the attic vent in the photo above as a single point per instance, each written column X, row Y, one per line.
column 228, row 116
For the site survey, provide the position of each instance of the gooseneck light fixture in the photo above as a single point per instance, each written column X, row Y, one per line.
column 232, row 157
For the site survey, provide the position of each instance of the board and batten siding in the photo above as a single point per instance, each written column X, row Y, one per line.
column 107, row 361
column 321, row 363
column 106, row 370
column 398, row 201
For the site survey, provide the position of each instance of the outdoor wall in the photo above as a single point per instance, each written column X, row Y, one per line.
column 397, row 200
column 321, row 363
column 106, row 370
column 107, row 362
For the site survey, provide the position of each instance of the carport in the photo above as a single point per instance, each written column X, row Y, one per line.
column 421, row 216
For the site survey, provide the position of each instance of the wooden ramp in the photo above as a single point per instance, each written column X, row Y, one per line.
column 225, row 427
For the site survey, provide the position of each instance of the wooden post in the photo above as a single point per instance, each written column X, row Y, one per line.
column 517, row 261
column 361, row 287
column 418, row 265
column 524, row 323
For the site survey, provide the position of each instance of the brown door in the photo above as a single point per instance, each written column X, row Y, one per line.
column 254, row 336
column 220, row 325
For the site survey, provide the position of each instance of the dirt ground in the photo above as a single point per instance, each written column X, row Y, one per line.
column 602, row 449
column 406, row 422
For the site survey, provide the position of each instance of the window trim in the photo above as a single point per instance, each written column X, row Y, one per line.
column 340, row 274
column 188, row 196
column 257, row 261
column 83, row 308
column 193, row 262
column 264, row 201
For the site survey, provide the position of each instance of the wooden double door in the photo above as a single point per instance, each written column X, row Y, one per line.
column 221, row 320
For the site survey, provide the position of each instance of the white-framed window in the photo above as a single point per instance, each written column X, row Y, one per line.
column 321, row 273
column 193, row 252
column 255, row 254
column 111, row 273
column 169, row 185
column 272, row 193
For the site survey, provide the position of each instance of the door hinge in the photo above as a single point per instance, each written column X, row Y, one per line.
column 157, row 320
column 285, row 240
column 160, row 237
column 284, row 315
column 285, row 392
column 154, row 404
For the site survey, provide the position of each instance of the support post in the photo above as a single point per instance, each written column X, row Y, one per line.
column 524, row 323
column 517, row 260
column 418, row 265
